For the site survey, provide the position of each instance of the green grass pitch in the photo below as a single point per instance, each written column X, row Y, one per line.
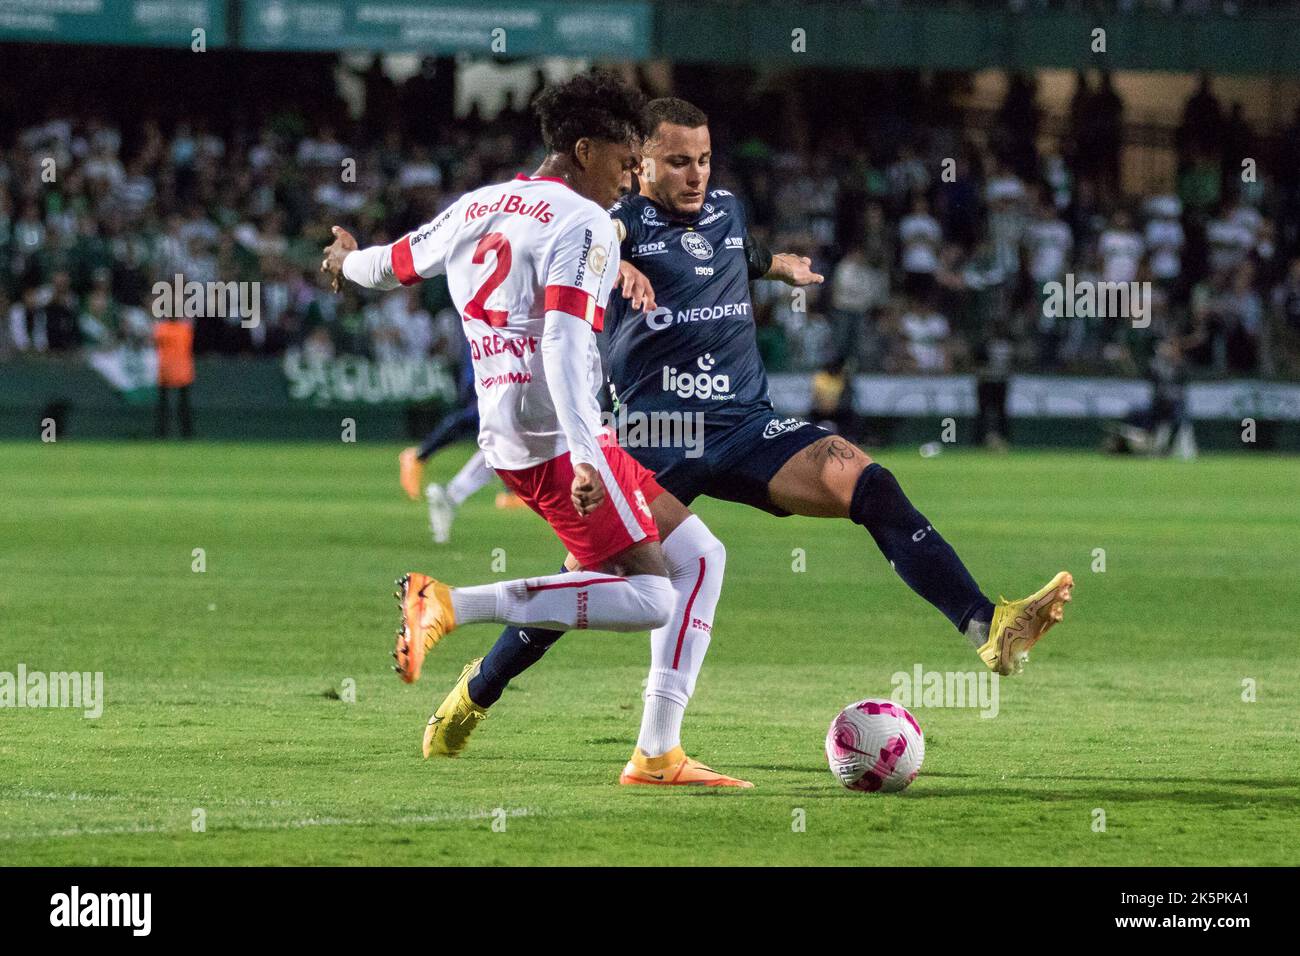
column 223, row 687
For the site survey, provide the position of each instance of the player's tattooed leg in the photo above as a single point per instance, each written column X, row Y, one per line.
column 818, row 482
column 832, row 478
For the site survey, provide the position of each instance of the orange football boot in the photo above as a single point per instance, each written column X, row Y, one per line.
column 412, row 472
column 427, row 617
column 674, row 769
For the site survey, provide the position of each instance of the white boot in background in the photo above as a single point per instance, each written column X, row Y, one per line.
column 441, row 512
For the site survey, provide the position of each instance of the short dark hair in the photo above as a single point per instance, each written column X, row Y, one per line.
column 670, row 109
column 597, row 105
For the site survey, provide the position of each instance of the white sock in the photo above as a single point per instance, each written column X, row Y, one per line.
column 575, row 600
column 696, row 564
column 661, row 725
column 469, row 479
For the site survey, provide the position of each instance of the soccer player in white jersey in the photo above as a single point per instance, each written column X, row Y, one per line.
column 530, row 265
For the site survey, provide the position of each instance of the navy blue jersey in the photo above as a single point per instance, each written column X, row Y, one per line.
column 696, row 352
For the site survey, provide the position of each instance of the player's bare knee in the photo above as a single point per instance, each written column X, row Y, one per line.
column 842, row 463
column 669, row 514
column 644, row 558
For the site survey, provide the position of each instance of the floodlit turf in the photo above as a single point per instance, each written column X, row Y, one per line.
column 223, row 687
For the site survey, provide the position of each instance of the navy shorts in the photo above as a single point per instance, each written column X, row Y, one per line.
column 737, row 459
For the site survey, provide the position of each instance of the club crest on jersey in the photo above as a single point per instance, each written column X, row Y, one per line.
column 697, row 245
column 779, row 426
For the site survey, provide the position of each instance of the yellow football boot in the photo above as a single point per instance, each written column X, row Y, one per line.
column 1018, row 625
column 427, row 617
column 674, row 769
column 449, row 728
column 411, row 471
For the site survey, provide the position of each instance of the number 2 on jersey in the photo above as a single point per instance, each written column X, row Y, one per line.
column 497, row 243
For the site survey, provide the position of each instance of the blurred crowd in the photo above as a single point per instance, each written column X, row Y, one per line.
column 80, row 255
column 1230, row 8
column 939, row 237
column 942, row 246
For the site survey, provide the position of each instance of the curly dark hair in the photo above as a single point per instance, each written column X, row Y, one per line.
column 597, row 105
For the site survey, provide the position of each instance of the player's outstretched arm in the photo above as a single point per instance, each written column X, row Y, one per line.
column 371, row 268
column 793, row 270
column 414, row 257
column 335, row 253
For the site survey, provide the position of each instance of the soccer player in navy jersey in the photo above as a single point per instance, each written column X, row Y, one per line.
column 681, row 339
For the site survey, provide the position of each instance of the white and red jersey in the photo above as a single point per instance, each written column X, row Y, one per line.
column 522, row 258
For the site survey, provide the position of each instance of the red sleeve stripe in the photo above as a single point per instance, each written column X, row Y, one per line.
column 403, row 264
column 575, row 302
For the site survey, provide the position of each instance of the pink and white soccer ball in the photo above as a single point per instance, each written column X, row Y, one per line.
column 875, row 746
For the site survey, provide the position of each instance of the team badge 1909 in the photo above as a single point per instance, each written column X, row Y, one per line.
column 697, row 245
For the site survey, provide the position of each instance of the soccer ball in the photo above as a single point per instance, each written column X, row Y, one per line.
column 875, row 745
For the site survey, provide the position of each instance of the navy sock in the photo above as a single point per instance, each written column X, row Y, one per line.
column 925, row 562
column 516, row 650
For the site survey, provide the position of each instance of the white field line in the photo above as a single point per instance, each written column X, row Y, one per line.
column 137, row 798
column 302, row 824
